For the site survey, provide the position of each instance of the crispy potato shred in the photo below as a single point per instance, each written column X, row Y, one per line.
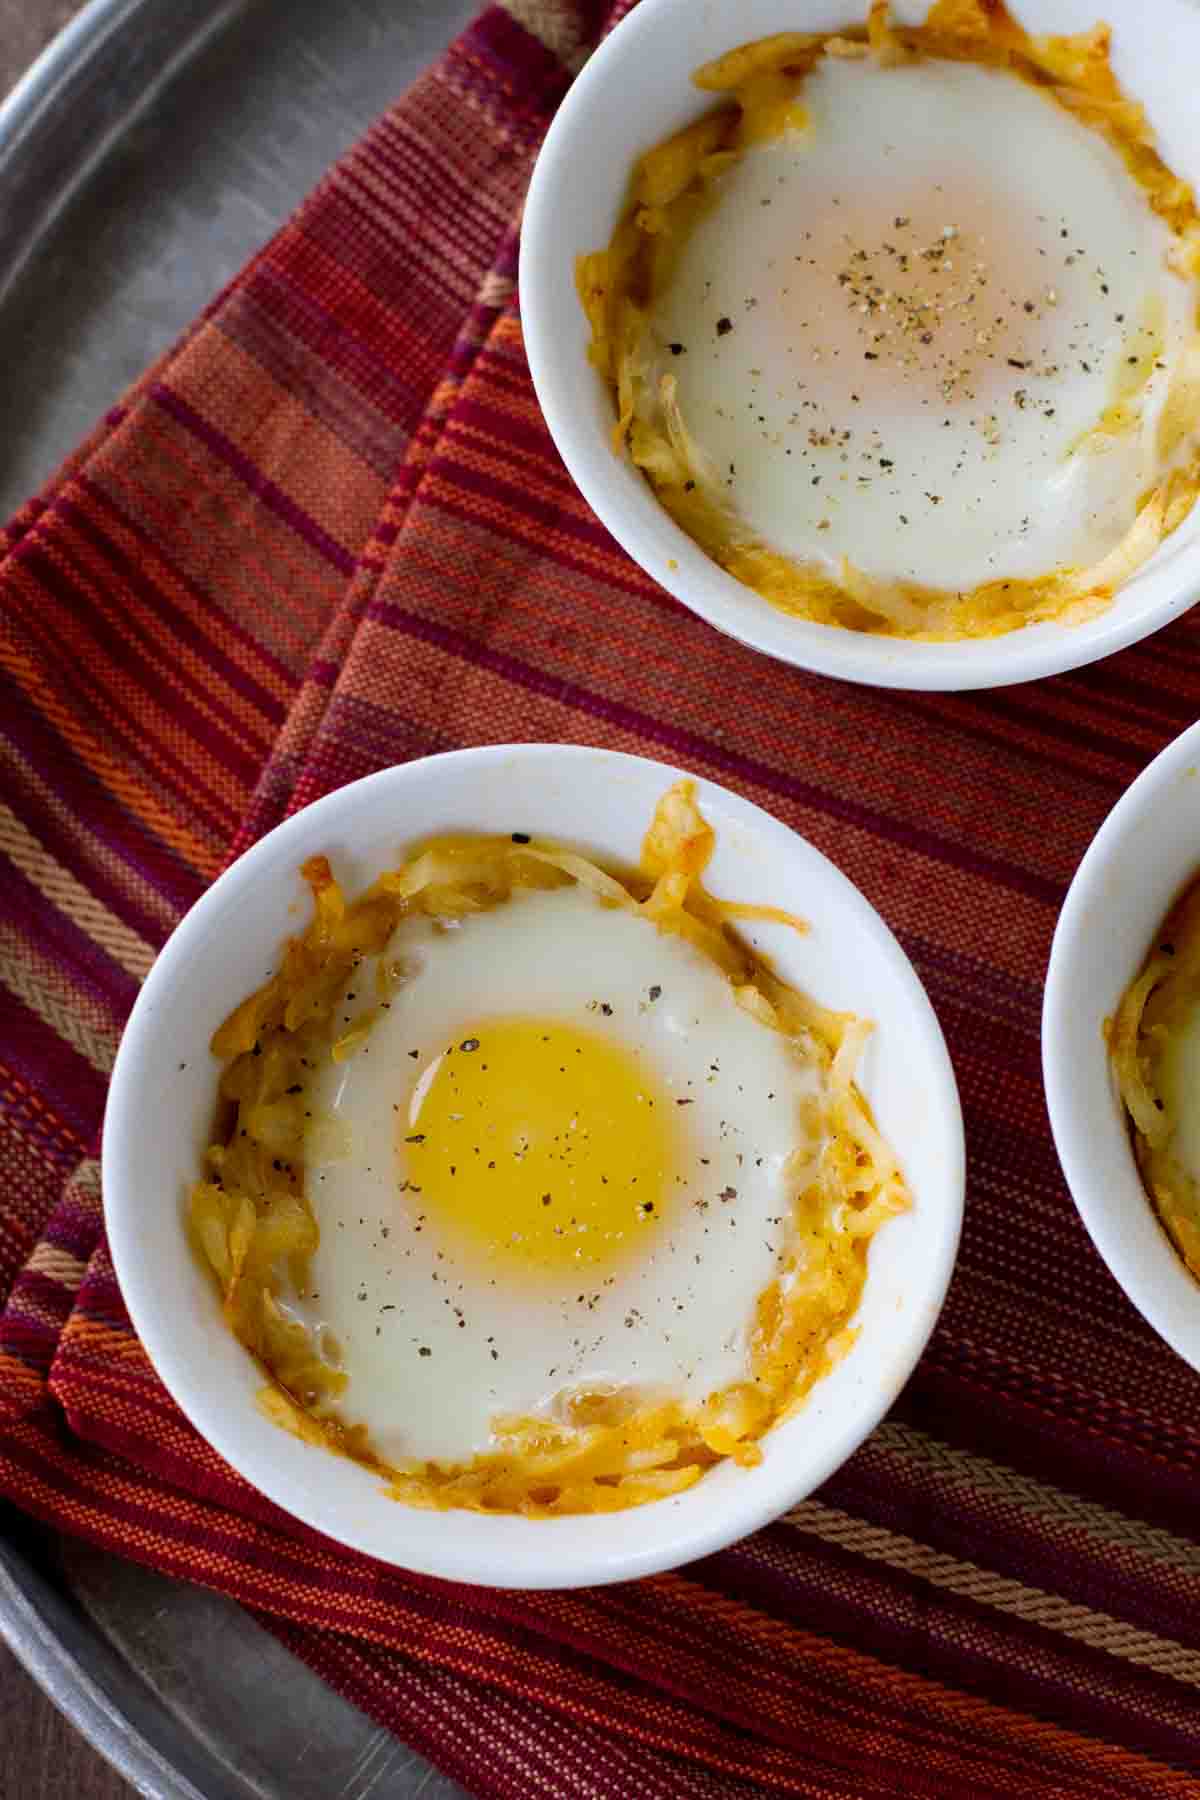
column 252, row 1224
column 760, row 86
column 1154, row 1010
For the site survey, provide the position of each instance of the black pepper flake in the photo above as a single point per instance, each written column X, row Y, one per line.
column 520, row 837
column 1167, row 949
column 724, row 326
column 675, row 349
column 469, row 1044
column 296, row 1087
column 727, row 1193
column 655, row 992
column 418, row 1137
column 424, row 1350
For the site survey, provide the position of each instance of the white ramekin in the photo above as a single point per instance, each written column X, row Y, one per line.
column 162, row 1098
column 635, row 91
column 1144, row 852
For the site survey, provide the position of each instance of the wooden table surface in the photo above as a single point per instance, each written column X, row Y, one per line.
column 42, row 1757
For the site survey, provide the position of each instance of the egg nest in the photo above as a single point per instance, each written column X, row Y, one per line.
column 1154, row 1012
column 672, row 187
column 254, row 1228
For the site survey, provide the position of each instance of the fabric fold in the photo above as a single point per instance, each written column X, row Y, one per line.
column 326, row 533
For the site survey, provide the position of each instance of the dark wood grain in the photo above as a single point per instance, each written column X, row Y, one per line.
column 26, row 27
column 42, row 1757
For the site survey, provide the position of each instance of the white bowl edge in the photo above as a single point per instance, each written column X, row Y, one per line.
column 633, row 92
column 1124, row 885
column 162, row 1095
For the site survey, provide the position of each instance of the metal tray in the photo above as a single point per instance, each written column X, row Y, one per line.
column 151, row 149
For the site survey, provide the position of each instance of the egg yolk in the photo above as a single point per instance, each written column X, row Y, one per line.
column 540, row 1143
column 901, row 306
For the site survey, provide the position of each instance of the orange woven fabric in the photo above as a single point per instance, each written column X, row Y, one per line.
column 329, row 533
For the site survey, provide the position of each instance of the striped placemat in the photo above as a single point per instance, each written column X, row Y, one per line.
column 329, row 533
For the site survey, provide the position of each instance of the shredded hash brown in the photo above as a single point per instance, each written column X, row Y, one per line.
column 1153, row 1010
column 253, row 1226
column 760, row 84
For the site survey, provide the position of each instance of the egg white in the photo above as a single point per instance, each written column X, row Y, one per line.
column 1179, row 1076
column 833, row 428
column 677, row 1319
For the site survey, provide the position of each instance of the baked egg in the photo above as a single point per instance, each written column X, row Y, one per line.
column 904, row 333
column 533, row 1187
column 1154, row 1044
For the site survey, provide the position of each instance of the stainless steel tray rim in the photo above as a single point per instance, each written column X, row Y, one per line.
column 143, row 158
column 69, row 1685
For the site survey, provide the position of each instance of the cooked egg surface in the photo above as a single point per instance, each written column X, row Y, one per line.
column 1179, row 1080
column 896, row 325
column 559, row 1161
column 547, row 1146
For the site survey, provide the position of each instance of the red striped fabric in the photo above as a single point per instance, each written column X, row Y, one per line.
column 328, row 533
